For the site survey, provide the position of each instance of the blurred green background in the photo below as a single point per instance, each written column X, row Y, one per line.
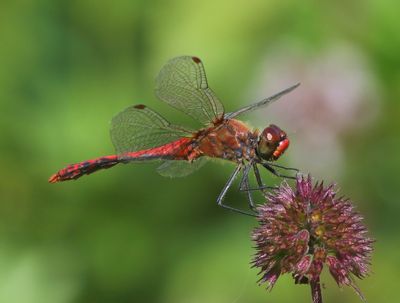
column 130, row 235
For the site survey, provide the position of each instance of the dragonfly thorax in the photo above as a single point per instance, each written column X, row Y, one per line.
column 272, row 143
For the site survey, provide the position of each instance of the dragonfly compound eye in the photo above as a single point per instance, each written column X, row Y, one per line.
column 272, row 144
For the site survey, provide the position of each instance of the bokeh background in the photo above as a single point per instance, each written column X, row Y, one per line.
column 130, row 235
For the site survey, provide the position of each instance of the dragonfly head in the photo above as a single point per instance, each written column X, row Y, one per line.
column 272, row 143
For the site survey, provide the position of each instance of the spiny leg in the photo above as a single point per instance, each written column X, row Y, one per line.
column 225, row 190
column 244, row 186
column 275, row 172
column 284, row 167
column 261, row 186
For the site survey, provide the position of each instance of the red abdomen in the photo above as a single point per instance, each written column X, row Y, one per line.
column 77, row 170
column 180, row 149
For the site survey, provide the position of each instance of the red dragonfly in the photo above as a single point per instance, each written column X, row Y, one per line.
column 141, row 134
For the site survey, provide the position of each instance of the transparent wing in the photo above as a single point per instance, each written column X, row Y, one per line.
column 182, row 83
column 180, row 168
column 138, row 127
column 261, row 103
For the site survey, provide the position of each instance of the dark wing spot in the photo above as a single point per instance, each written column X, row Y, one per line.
column 140, row 106
column 196, row 60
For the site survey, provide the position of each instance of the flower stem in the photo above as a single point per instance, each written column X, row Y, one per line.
column 316, row 291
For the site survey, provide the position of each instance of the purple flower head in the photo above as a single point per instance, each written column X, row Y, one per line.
column 304, row 229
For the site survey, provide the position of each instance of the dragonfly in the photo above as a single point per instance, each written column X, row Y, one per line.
column 141, row 134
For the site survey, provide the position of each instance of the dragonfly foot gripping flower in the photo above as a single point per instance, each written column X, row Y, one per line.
column 303, row 229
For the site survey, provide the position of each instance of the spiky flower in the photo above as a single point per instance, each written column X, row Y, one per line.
column 303, row 229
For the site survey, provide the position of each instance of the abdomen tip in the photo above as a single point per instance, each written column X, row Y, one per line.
column 54, row 178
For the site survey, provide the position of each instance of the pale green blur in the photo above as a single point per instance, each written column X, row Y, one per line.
column 128, row 234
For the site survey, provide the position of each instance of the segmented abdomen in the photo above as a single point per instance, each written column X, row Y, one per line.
column 177, row 150
column 180, row 149
column 74, row 171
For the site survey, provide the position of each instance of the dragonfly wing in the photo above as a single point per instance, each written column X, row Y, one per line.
column 262, row 103
column 138, row 127
column 182, row 83
column 180, row 168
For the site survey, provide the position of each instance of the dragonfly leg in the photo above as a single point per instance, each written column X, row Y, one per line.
column 275, row 172
column 225, row 190
column 284, row 167
column 261, row 186
column 244, row 186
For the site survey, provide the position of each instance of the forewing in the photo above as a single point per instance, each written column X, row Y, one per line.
column 182, row 83
column 180, row 168
column 262, row 103
column 138, row 127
